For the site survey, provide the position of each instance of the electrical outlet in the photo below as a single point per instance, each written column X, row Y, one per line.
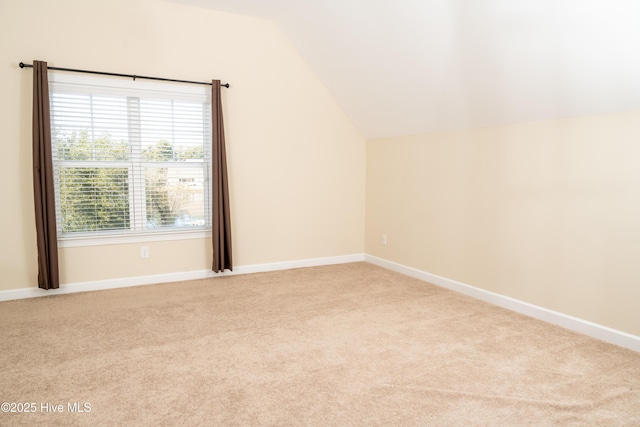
column 383, row 240
column 144, row 251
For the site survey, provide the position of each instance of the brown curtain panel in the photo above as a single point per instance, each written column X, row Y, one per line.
column 221, row 219
column 44, row 195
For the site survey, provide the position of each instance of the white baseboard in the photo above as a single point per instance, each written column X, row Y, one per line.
column 173, row 277
column 585, row 327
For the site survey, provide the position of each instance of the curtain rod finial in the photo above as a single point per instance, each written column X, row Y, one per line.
column 21, row 65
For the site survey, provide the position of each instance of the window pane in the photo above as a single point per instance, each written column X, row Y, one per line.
column 89, row 127
column 175, row 197
column 179, row 124
column 93, row 199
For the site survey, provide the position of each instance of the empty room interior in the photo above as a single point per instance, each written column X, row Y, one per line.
column 432, row 214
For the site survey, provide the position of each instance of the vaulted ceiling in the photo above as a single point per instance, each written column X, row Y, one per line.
column 399, row 67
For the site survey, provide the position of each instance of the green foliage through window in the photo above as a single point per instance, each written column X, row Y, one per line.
column 94, row 199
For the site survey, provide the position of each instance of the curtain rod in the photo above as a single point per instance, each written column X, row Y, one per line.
column 133, row 76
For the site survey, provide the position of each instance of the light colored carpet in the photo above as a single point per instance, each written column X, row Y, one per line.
column 349, row 344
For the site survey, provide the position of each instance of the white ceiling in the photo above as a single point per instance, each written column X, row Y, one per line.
column 400, row 67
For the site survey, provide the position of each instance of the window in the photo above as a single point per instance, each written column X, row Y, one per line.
column 130, row 157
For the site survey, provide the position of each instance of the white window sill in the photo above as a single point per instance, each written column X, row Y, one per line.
column 72, row 242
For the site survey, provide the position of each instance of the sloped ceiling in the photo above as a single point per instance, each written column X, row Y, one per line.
column 416, row 66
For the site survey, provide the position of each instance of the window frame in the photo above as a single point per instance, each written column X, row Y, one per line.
column 134, row 90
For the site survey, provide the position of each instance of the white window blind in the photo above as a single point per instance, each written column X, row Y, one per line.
column 129, row 157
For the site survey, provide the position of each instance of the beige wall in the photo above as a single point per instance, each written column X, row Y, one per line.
column 548, row 213
column 297, row 164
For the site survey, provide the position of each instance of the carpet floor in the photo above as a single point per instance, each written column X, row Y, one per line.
column 340, row 345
